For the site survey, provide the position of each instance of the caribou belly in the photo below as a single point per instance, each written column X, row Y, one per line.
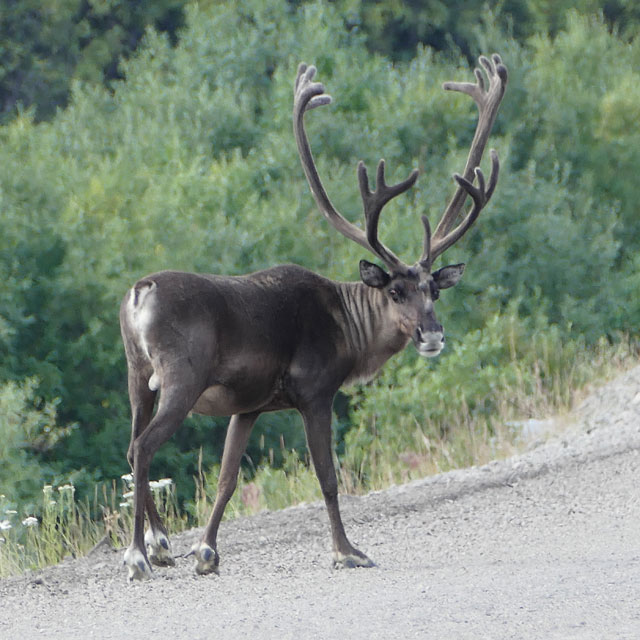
column 221, row 400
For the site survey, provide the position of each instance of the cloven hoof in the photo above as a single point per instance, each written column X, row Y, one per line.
column 352, row 561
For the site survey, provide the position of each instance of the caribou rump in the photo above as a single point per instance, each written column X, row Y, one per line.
column 286, row 337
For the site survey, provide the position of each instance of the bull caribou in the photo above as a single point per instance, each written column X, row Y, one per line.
column 286, row 337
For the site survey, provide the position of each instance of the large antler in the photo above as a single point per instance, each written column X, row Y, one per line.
column 308, row 95
column 488, row 100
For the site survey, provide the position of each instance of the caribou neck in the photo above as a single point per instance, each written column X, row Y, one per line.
column 372, row 334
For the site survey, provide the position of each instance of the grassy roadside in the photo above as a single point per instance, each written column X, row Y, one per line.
column 462, row 434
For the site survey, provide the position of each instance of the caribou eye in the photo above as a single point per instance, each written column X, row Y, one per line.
column 395, row 295
column 435, row 292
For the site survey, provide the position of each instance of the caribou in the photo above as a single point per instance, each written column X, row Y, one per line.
column 286, row 337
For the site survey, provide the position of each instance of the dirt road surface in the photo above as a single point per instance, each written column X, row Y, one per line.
column 543, row 545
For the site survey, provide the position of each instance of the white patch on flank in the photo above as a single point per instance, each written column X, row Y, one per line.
column 141, row 309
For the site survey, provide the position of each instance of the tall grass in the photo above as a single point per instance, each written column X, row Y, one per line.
column 460, row 430
column 68, row 527
column 473, row 412
column 265, row 488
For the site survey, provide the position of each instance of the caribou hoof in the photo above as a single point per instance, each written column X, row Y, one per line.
column 158, row 548
column 137, row 564
column 207, row 559
column 351, row 561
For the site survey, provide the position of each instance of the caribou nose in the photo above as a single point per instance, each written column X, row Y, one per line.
column 429, row 343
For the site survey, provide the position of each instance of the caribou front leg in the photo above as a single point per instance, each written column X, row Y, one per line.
column 206, row 551
column 317, row 423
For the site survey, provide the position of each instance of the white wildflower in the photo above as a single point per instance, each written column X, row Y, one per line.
column 156, row 485
column 47, row 489
column 127, row 495
column 125, row 504
column 30, row 521
column 67, row 487
column 11, row 512
column 4, row 525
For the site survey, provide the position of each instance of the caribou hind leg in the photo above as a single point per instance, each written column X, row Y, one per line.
column 206, row 551
column 142, row 398
column 175, row 403
column 317, row 423
column 156, row 538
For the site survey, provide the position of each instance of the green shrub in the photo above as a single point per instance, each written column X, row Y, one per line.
column 29, row 430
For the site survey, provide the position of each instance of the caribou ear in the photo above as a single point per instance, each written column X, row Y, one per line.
column 448, row 276
column 372, row 275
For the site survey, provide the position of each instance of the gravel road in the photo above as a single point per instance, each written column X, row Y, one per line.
column 543, row 545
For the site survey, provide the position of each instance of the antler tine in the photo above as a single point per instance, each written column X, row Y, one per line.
column 425, row 261
column 480, row 196
column 374, row 202
column 308, row 95
column 488, row 99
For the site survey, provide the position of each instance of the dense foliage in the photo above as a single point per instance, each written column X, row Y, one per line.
column 189, row 162
column 45, row 44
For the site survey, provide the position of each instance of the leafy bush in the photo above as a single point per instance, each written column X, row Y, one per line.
column 419, row 417
column 29, row 429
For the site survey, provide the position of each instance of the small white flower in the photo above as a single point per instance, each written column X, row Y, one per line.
column 127, row 495
column 125, row 504
column 156, row 485
column 4, row 525
column 128, row 478
column 47, row 489
column 30, row 522
column 67, row 487
column 11, row 512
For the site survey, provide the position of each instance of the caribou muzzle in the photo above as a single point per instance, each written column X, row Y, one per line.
column 428, row 343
